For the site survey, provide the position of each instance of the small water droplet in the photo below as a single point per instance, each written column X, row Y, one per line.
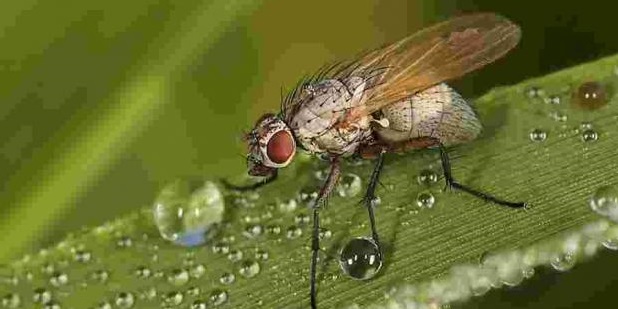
column 41, row 296
column 197, row 271
column 325, row 234
column 360, row 258
column 124, row 242
column 301, row 219
column 100, row 275
column 253, row 230
column 563, row 262
column 143, row 272
column 552, row 99
column 178, row 277
column 221, row 247
column 59, row 279
column 538, row 135
column 590, row 95
column 187, row 213
column 604, row 201
column 288, row 206
column 11, row 300
column 611, row 238
column 293, row 232
column 425, row 200
column 104, row 305
column 52, row 305
column 558, row 116
column 82, row 256
column 590, row 135
column 260, row 254
column 227, row 278
column 427, row 177
column 173, row 298
column 218, row 297
column 194, row 291
column 249, row 269
column 534, row 92
column 235, row 255
column 273, row 229
column 349, row 185
column 125, row 300
column 199, row 304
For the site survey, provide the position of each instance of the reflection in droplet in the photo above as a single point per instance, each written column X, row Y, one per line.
column 360, row 258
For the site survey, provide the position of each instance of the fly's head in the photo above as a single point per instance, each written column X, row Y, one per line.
column 271, row 146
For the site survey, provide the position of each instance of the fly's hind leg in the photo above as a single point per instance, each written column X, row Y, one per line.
column 452, row 183
column 369, row 198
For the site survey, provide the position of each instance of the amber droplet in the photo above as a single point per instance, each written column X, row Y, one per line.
column 590, row 95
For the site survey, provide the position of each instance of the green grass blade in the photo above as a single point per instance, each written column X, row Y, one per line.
column 459, row 247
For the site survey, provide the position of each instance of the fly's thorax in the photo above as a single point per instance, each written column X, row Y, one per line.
column 318, row 121
column 437, row 112
column 271, row 146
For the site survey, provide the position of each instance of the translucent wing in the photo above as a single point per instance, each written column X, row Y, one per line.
column 441, row 52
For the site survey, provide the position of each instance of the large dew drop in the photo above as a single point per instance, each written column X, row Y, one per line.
column 360, row 258
column 604, row 201
column 187, row 213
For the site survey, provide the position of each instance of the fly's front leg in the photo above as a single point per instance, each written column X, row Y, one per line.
column 452, row 183
column 327, row 188
column 254, row 186
column 370, row 197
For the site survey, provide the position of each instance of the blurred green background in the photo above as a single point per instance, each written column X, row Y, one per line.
column 102, row 103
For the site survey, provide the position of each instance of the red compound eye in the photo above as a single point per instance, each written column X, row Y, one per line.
column 280, row 147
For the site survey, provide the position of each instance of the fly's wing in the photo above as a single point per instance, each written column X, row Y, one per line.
column 441, row 52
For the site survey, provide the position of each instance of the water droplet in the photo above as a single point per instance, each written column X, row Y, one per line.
column 221, row 247
column 604, row 201
column 427, row 177
column 59, row 279
column 360, row 258
column 273, row 229
column 104, row 305
column 261, row 254
column 301, row 219
column 143, row 272
column 125, row 300
column 534, row 92
column 325, row 233
column 235, row 255
column 11, row 300
column 590, row 95
column 253, row 230
column 227, row 278
column 553, row 99
column 173, row 298
column 288, row 206
column 249, row 269
column 563, row 262
column 41, row 296
column 52, row 305
column 178, row 277
column 611, row 238
column 199, row 304
column 82, row 256
column 538, row 135
column 218, row 297
column 425, row 200
column 349, row 185
column 100, row 275
column 124, row 242
column 197, row 271
column 187, row 213
column 558, row 116
column 194, row 291
column 293, row 232
column 589, row 135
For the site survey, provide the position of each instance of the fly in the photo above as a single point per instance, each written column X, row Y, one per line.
column 391, row 99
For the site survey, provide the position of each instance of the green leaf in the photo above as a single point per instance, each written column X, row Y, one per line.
column 460, row 247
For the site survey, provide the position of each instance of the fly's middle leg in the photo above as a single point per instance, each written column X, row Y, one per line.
column 369, row 198
column 327, row 188
column 452, row 183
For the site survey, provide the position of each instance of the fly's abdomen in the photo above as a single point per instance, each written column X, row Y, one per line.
column 326, row 102
column 437, row 112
